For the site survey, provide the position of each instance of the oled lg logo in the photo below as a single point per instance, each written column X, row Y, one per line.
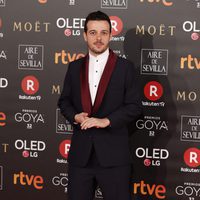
column 2, row 3
column 30, row 148
column 64, row 151
column 3, row 82
column 36, row 181
column 192, row 27
column 153, row 91
column 30, row 57
column 61, row 181
column 30, row 86
column 152, row 157
column 72, row 27
column 192, row 160
column 145, row 189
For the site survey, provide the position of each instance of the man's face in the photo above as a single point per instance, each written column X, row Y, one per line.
column 98, row 36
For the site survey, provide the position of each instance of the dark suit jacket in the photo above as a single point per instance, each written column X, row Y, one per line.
column 120, row 103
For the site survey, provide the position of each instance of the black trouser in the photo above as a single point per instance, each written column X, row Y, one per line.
column 113, row 181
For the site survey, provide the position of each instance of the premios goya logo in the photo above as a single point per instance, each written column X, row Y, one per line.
column 30, row 149
column 26, row 180
column 61, row 181
column 188, row 190
column 29, row 117
column 153, row 125
column 30, row 57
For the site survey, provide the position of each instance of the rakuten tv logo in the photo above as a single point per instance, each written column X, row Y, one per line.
column 64, row 148
column 192, row 157
column 28, row 180
column 30, row 85
column 146, row 189
column 153, row 90
column 117, row 25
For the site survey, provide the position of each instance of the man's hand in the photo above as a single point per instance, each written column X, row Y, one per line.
column 79, row 118
column 95, row 122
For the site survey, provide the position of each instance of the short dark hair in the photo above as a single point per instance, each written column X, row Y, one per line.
column 97, row 15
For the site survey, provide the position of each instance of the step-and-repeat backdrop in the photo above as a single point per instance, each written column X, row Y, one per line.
column 38, row 38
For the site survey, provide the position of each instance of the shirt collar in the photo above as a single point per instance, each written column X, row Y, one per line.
column 101, row 57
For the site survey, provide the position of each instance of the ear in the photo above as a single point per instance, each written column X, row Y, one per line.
column 85, row 36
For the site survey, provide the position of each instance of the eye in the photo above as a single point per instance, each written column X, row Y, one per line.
column 104, row 33
column 92, row 33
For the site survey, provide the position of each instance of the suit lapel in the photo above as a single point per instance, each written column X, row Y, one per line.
column 85, row 91
column 105, row 78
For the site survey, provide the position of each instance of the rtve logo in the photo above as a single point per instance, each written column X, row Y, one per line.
column 190, row 62
column 149, row 190
column 64, row 148
column 26, row 180
column 42, row 1
column 164, row 2
column 30, row 85
column 2, row 119
column 66, row 58
column 153, row 90
column 192, row 157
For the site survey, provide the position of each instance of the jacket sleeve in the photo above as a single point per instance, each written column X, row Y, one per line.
column 131, row 107
column 65, row 102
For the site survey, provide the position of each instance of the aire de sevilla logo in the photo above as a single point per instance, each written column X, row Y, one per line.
column 64, row 148
column 30, row 85
column 117, row 25
column 192, row 157
column 153, row 90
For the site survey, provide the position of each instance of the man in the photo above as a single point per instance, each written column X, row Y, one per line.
column 99, row 97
